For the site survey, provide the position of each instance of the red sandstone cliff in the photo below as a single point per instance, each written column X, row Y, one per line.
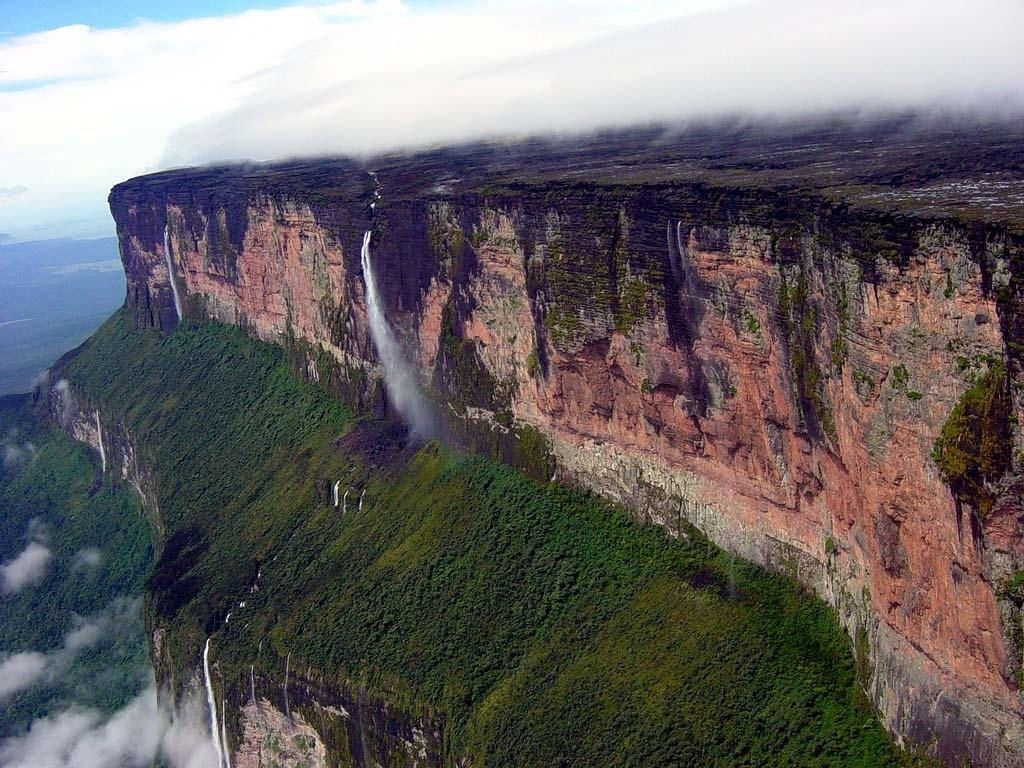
column 768, row 366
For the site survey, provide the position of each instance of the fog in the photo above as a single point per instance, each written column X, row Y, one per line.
column 31, row 668
column 499, row 69
column 134, row 736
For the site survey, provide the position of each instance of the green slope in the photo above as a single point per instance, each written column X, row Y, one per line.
column 548, row 627
column 47, row 493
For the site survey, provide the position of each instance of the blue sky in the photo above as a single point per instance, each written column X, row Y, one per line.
column 20, row 17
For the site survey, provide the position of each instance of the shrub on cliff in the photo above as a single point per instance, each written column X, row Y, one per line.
column 973, row 450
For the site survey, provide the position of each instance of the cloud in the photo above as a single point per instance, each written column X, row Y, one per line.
column 134, row 736
column 18, row 189
column 25, row 670
column 87, row 559
column 14, row 452
column 25, row 570
column 508, row 69
column 85, row 108
column 15, row 455
column 21, row 671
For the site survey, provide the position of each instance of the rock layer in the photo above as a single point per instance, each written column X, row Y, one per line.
column 767, row 365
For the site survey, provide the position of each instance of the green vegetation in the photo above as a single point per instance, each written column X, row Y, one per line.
column 750, row 323
column 1013, row 588
column 799, row 319
column 231, row 438
column 101, row 551
column 532, row 365
column 594, row 274
column 900, row 377
column 547, row 626
column 838, row 349
column 974, row 448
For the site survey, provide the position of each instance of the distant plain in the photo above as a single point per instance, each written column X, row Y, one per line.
column 53, row 295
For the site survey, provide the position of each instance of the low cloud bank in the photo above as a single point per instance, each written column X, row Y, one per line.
column 359, row 77
column 21, row 671
column 501, row 69
column 133, row 737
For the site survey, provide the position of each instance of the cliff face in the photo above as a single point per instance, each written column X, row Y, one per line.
column 830, row 391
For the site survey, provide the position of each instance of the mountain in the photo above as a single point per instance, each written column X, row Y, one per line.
column 800, row 345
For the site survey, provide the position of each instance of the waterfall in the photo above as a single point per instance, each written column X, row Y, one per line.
column 344, row 503
column 398, row 375
column 170, row 271
column 224, row 731
column 99, row 439
column 334, row 494
column 287, row 666
column 211, row 702
column 361, row 500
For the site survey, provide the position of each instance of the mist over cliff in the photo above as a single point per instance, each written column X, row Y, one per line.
column 358, row 77
column 453, row 73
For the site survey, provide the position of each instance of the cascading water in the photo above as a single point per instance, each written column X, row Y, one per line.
column 287, row 669
column 224, row 732
column 170, row 271
column 398, row 375
column 99, row 439
column 211, row 702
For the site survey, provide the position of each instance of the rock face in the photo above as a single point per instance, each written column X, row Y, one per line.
column 336, row 725
column 767, row 364
column 119, row 454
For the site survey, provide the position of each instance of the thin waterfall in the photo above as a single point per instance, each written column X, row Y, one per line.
column 334, row 494
column 344, row 503
column 398, row 375
column 211, row 702
column 99, row 439
column 224, row 731
column 170, row 271
column 287, row 667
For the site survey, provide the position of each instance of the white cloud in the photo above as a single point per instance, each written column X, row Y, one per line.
column 21, row 671
column 25, row 570
column 85, row 108
column 16, row 454
column 88, row 558
column 25, row 670
column 135, row 735
column 442, row 76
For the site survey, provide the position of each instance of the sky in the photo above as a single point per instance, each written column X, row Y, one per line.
column 93, row 93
